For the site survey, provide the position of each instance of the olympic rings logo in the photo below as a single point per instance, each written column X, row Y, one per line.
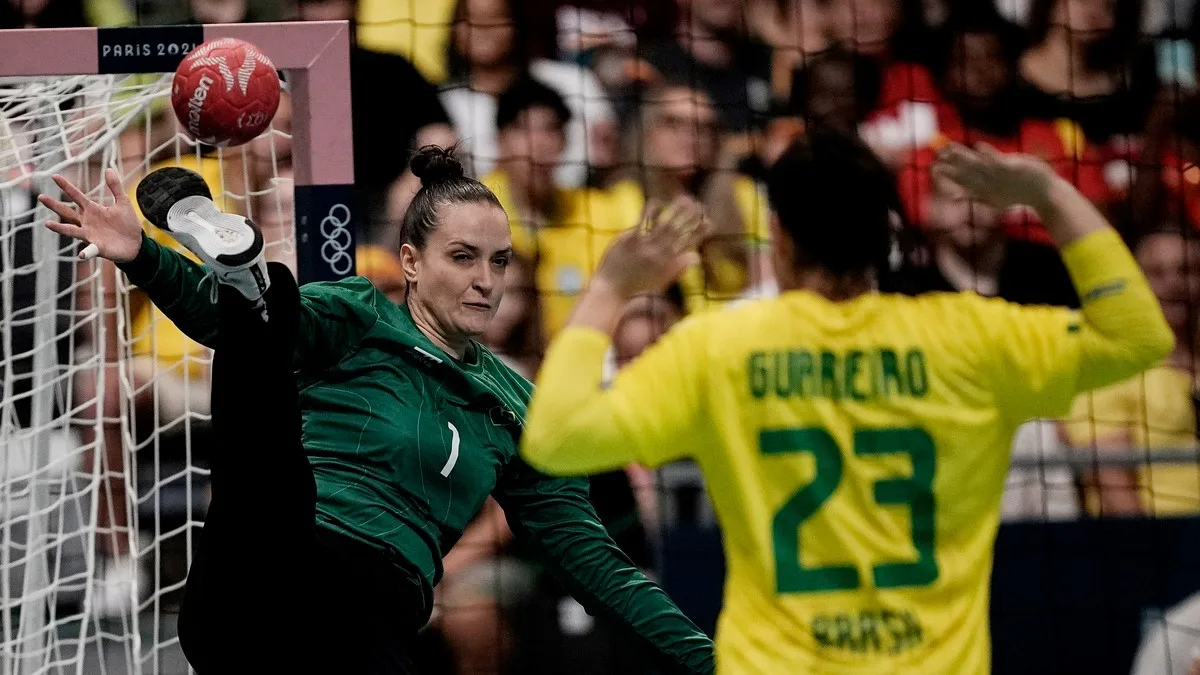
column 337, row 240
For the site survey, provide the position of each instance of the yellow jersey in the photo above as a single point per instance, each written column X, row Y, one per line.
column 1150, row 411
column 418, row 31
column 855, row 452
column 728, row 280
column 567, row 249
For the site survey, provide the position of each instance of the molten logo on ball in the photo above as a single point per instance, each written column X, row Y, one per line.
column 196, row 104
column 225, row 92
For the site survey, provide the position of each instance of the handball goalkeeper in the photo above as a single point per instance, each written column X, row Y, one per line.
column 356, row 438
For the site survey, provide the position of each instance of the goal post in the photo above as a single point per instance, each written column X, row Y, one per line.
column 104, row 405
column 315, row 56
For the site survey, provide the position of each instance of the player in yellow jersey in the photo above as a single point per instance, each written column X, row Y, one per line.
column 854, row 443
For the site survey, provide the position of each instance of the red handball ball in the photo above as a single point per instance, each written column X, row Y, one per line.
column 225, row 92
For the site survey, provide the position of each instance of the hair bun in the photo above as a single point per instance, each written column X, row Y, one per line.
column 433, row 164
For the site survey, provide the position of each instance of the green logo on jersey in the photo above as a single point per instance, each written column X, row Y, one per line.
column 857, row 375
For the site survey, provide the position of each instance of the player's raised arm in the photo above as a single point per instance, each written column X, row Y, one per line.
column 653, row 411
column 177, row 285
column 1046, row 355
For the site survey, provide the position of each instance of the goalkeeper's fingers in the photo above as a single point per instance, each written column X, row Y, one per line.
column 114, row 186
column 73, row 193
column 65, row 229
column 90, row 251
column 64, row 212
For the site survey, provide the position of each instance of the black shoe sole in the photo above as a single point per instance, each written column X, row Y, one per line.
column 158, row 191
column 161, row 189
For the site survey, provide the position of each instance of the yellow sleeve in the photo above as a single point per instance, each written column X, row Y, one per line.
column 1033, row 356
column 651, row 414
column 1042, row 356
column 1104, row 413
column 1125, row 332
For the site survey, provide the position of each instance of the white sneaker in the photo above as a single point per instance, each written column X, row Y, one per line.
column 231, row 246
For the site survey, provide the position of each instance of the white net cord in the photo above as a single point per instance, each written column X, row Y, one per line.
column 103, row 421
column 49, row 491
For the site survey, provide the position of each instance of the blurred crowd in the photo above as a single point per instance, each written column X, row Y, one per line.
column 577, row 112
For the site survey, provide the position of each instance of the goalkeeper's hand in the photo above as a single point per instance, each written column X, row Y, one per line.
column 109, row 231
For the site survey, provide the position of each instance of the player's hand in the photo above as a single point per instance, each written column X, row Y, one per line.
column 112, row 232
column 1001, row 180
column 646, row 259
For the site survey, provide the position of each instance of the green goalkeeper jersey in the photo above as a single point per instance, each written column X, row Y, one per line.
column 406, row 444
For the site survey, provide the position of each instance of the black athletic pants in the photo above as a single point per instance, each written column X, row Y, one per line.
column 268, row 591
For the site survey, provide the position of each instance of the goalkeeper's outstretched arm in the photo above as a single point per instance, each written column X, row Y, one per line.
column 554, row 517
column 178, row 287
column 332, row 318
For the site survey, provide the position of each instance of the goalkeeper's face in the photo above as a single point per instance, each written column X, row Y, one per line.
column 458, row 277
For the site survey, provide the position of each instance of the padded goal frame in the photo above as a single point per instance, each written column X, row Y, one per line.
column 315, row 57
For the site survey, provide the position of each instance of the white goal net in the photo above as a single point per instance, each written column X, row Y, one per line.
column 104, row 414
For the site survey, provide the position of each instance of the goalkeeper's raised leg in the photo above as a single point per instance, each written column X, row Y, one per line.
column 254, row 554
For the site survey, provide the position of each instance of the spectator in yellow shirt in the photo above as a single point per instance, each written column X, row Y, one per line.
column 675, row 149
column 562, row 232
column 419, row 30
column 1152, row 411
column 565, row 231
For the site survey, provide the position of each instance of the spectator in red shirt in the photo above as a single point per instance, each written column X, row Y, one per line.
column 976, row 67
column 903, row 114
column 1087, row 63
column 1167, row 184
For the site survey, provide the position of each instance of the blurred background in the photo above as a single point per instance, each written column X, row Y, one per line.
column 575, row 112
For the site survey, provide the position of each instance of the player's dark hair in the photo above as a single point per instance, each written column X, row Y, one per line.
column 1172, row 225
column 527, row 93
column 835, row 200
column 867, row 74
column 442, row 182
column 973, row 19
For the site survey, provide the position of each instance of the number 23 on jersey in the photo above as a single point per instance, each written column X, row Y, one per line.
column 914, row 491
